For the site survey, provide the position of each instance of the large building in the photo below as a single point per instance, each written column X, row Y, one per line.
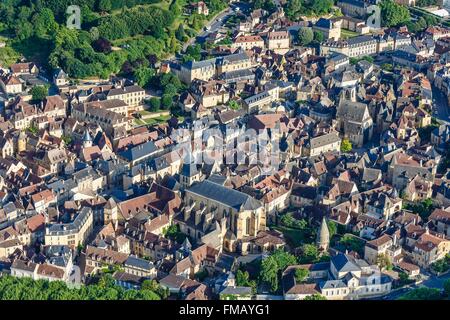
column 245, row 215
column 71, row 234
column 353, row 47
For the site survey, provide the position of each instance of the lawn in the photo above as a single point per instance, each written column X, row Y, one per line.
column 151, row 121
column 345, row 34
column 294, row 237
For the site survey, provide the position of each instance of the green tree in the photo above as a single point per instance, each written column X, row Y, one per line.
column 393, row 14
column 155, row 104
column 305, row 36
column 320, row 7
column 233, row 104
column 272, row 266
column 301, row 274
column 318, row 36
column 346, row 145
column 447, row 287
column 310, row 253
column 293, row 9
column 332, row 228
column 269, row 272
column 44, row 23
column 383, row 262
column 143, row 75
column 422, row 294
column 180, row 34
column 350, row 242
column 39, row 93
column 105, row 5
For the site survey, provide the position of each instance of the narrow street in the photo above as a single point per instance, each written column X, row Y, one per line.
column 431, row 282
column 440, row 106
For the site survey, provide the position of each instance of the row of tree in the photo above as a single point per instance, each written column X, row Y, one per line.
column 13, row 288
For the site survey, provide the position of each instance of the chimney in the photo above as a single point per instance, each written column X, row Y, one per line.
column 187, row 213
column 198, row 215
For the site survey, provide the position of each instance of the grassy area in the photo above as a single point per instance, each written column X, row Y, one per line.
column 8, row 56
column 345, row 34
column 152, row 121
column 294, row 237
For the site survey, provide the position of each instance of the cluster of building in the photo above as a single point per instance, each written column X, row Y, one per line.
column 84, row 190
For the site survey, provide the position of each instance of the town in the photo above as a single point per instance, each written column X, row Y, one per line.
column 225, row 150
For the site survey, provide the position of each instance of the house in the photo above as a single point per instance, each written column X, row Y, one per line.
column 202, row 258
column 11, row 84
column 353, row 8
column 441, row 220
column 248, row 42
column 98, row 258
column 353, row 47
column 331, row 29
column 60, row 78
column 428, row 249
column 343, row 278
column 245, row 214
column 198, row 8
column 139, row 267
column 278, row 41
column 383, row 245
column 328, row 142
column 355, row 122
column 71, row 234
column 24, row 68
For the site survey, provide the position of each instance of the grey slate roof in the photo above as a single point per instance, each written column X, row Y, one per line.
column 139, row 151
column 139, row 263
column 229, row 197
column 344, row 263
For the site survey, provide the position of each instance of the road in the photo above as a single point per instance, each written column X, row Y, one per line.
column 431, row 282
column 215, row 24
column 440, row 106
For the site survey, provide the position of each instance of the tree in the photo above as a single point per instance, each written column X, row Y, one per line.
column 44, row 23
column 350, row 242
column 305, row 36
column 301, row 274
column 422, row 294
column 242, row 278
column 320, row 7
column 105, row 5
column 155, row 104
column 318, row 36
column 383, row 262
column 233, row 104
column 447, row 287
column 102, row 45
column 39, row 93
column 310, row 253
column 179, row 33
column 346, row 145
column 393, row 14
column 293, row 9
column 166, row 101
column 332, row 228
column 315, row 297
column 143, row 75
column 194, row 52
column 269, row 272
column 272, row 266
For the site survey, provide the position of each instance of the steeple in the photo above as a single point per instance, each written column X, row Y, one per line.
column 87, row 139
column 323, row 236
